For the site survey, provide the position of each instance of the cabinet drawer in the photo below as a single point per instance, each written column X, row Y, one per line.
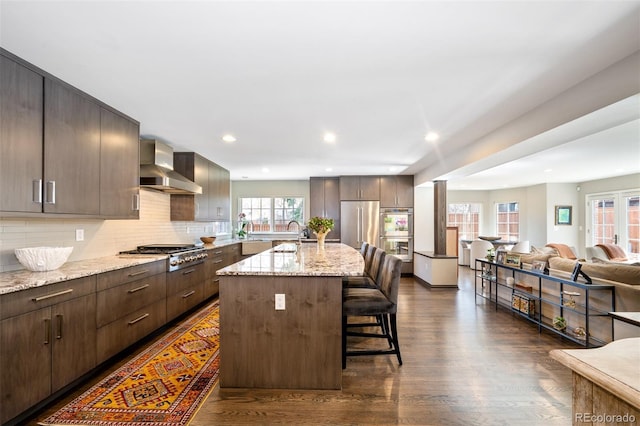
column 184, row 279
column 120, row 301
column 211, row 287
column 126, row 331
column 213, row 264
column 179, row 303
column 132, row 273
column 20, row 302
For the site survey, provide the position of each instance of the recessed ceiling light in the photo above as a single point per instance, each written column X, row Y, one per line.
column 328, row 169
column 393, row 168
column 431, row 137
column 265, row 170
column 330, row 137
column 548, row 170
column 229, row 138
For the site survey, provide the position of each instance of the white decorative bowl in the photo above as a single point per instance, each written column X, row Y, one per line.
column 39, row 259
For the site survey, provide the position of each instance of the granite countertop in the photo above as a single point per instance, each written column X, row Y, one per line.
column 614, row 367
column 24, row 279
column 301, row 260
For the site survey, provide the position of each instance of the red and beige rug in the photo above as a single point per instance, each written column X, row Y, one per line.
column 162, row 386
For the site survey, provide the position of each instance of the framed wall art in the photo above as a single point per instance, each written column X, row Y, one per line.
column 563, row 215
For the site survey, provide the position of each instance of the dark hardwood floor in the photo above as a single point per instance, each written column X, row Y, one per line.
column 464, row 364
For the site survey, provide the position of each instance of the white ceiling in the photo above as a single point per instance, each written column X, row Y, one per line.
column 278, row 75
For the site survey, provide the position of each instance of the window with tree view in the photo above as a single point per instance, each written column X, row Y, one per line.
column 267, row 214
column 508, row 221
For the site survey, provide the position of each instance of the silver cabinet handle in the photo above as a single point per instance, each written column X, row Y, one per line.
column 191, row 293
column 51, row 192
column 134, row 274
column 36, row 189
column 140, row 318
column 136, row 202
column 142, row 287
column 59, row 326
column 47, row 331
column 188, row 272
column 49, row 296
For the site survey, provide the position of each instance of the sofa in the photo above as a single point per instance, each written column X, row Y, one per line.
column 608, row 253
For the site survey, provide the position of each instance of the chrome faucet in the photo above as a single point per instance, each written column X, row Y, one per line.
column 297, row 228
column 249, row 229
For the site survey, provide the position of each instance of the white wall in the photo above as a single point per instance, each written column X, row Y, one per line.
column 423, row 230
column 564, row 194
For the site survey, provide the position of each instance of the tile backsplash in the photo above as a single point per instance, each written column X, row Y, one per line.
column 103, row 237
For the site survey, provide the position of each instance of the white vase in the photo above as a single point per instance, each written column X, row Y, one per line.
column 321, row 236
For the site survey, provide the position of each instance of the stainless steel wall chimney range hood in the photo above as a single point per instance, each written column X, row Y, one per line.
column 156, row 170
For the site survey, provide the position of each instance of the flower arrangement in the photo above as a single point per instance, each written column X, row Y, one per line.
column 320, row 225
column 242, row 226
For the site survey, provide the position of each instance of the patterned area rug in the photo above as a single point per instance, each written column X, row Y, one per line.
column 162, row 386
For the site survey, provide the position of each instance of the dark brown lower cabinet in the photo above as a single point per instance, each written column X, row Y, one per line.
column 131, row 303
column 48, row 339
column 185, row 289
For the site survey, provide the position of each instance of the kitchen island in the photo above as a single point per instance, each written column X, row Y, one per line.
column 606, row 382
column 280, row 317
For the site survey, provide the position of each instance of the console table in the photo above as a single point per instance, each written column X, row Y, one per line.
column 540, row 298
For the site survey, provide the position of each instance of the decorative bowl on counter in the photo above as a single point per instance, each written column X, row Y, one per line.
column 207, row 240
column 489, row 238
column 39, row 259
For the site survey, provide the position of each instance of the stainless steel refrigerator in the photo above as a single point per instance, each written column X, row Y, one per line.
column 359, row 222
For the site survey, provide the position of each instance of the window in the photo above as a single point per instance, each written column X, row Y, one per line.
column 508, row 221
column 615, row 219
column 633, row 224
column 604, row 223
column 266, row 214
column 466, row 216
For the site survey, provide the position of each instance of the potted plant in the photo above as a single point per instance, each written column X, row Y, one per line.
column 559, row 323
column 321, row 227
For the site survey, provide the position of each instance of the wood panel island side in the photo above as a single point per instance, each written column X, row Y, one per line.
column 298, row 347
